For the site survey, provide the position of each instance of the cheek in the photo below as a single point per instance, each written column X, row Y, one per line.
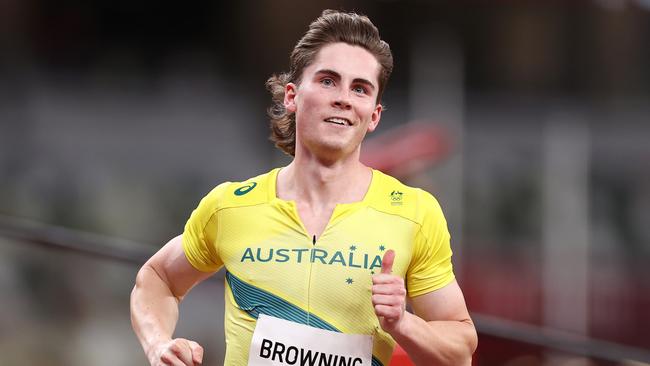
column 368, row 111
column 304, row 112
column 306, row 103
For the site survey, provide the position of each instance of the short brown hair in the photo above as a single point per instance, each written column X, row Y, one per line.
column 331, row 27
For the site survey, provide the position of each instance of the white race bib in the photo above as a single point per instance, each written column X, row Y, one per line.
column 282, row 342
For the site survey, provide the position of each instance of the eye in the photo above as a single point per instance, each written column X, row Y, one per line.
column 359, row 90
column 327, row 81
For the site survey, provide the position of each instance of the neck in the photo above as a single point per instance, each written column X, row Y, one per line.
column 314, row 181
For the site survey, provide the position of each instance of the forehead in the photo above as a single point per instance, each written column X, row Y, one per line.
column 348, row 60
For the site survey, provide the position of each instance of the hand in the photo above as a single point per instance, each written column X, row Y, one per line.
column 388, row 295
column 176, row 352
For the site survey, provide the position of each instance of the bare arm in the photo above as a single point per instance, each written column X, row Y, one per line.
column 160, row 285
column 440, row 332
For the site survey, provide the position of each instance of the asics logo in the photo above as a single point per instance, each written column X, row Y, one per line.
column 245, row 189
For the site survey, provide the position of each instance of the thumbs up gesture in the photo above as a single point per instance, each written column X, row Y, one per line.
column 388, row 294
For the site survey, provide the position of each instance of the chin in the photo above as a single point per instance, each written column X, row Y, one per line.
column 336, row 150
column 331, row 148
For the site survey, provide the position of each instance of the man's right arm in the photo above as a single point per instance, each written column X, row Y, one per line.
column 160, row 285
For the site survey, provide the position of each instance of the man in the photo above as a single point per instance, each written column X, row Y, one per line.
column 324, row 242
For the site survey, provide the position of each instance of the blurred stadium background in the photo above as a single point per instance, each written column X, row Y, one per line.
column 116, row 117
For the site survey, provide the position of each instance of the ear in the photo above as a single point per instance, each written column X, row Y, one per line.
column 375, row 117
column 290, row 92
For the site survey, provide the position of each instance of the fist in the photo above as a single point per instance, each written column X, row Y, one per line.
column 177, row 352
column 388, row 294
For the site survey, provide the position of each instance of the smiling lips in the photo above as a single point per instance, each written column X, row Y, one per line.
column 339, row 121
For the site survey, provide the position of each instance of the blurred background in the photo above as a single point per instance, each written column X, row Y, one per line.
column 116, row 117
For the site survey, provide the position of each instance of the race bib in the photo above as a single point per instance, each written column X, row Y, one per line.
column 282, row 342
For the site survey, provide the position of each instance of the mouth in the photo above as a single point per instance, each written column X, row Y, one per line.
column 339, row 121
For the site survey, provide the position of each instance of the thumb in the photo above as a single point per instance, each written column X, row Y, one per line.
column 197, row 352
column 387, row 262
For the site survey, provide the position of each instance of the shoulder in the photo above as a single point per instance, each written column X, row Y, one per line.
column 394, row 197
column 252, row 191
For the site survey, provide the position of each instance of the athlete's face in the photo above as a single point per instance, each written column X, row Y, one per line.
column 335, row 102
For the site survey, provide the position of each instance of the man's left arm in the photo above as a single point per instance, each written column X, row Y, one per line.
column 440, row 332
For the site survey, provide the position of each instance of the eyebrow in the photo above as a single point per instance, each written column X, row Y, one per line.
column 338, row 76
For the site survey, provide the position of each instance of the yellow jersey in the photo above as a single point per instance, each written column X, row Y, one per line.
column 275, row 267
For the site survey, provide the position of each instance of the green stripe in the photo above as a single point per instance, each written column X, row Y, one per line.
column 255, row 301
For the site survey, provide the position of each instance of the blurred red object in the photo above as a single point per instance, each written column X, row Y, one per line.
column 407, row 149
column 400, row 358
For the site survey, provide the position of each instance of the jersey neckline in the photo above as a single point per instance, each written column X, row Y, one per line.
column 273, row 180
column 340, row 212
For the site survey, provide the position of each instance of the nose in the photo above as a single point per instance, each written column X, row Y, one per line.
column 342, row 101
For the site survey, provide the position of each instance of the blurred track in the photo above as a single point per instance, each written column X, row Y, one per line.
column 55, row 237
